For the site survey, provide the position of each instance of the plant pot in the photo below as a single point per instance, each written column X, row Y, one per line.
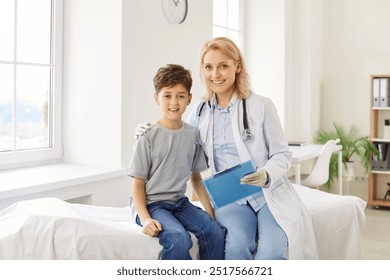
column 349, row 171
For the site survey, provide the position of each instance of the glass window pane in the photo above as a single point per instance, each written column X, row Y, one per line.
column 33, row 36
column 234, row 14
column 236, row 37
column 220, row 12
column 6, row 107
column 219, row 31
column 32, row 104
column 7, row 29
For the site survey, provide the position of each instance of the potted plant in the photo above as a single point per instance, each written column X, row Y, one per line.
column 352, row 144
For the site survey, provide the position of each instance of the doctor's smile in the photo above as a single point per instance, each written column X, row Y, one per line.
column 220, row 73
column 217, row 82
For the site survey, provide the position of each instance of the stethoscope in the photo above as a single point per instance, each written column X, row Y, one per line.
column 245, row 135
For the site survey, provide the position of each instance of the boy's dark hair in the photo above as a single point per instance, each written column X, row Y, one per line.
column 171, row 75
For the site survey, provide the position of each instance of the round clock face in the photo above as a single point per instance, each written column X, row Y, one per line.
column 175, row 11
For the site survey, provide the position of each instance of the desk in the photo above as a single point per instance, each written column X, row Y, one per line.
column 312, row 151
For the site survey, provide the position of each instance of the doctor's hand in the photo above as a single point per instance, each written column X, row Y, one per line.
column 141, row 129
column 151, row 227
column 258, row 178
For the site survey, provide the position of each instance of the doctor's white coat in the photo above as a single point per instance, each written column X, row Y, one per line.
column 268, row 149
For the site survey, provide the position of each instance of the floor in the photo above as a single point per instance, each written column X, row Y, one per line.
column 376, row 237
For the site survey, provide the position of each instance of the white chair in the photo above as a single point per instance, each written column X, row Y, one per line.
column 319, row 175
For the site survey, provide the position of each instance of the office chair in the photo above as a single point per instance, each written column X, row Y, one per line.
column 319, row 175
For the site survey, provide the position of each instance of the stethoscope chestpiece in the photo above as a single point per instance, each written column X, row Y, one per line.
column 246, row 134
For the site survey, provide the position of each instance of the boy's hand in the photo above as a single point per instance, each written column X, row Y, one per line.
column 151, row 227
column 258, row 178
column 141, row 129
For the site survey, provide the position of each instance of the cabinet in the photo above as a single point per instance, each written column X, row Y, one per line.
column 379, row 177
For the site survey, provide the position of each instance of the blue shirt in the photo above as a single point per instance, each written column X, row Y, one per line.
column 224, row 147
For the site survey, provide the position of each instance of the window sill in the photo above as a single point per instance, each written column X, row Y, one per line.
column 30, row 180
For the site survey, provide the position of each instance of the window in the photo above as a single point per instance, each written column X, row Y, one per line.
column 30, row 81
column 228, row 20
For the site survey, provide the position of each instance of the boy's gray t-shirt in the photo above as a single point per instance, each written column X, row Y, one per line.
column 165, row 158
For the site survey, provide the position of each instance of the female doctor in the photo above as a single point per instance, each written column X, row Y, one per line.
column 237, row 125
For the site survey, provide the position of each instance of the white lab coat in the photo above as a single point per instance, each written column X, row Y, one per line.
column 268, row 149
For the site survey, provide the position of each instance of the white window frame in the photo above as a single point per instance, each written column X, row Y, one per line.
column 241, row 30
column 54, row 153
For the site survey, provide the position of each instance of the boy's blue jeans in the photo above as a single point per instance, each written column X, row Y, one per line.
column 179, row 218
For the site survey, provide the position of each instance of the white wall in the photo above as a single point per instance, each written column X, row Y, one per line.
column 265, row 49
column 305, row 65
column 112, row 50
column 150, row 42
column 333, row 46
column 111, row 53
column 356, row 45
column 326, row 51
column 331, row 49
column 284, row 54
column 312, row 57
column 92, row 82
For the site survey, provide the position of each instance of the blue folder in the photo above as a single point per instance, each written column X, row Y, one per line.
column 224, row 187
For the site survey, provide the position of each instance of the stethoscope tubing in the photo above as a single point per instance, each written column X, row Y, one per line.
column 247, row 135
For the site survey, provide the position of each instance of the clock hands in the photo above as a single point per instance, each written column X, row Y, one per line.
column 176, row 2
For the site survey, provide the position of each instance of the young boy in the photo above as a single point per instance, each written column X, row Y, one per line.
column 162, row 162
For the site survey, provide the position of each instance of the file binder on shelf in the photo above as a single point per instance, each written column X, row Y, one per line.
column 376, row 92
column 381, row 163
column 224, row 187
column 384, row 92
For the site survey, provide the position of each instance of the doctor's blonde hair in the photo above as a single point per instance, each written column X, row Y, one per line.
column 230, row 49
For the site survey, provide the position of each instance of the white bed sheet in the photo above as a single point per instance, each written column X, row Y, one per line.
column 338, row 222
column 50, row 228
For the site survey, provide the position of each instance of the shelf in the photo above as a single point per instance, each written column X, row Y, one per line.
column 381, row 108
column 378, row 179
column 380, row 202
column 386, row 172
column 385, row 140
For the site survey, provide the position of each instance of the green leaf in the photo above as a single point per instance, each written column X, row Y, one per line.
column 352, row 144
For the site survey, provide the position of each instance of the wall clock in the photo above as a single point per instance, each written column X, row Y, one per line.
column 175, row 11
